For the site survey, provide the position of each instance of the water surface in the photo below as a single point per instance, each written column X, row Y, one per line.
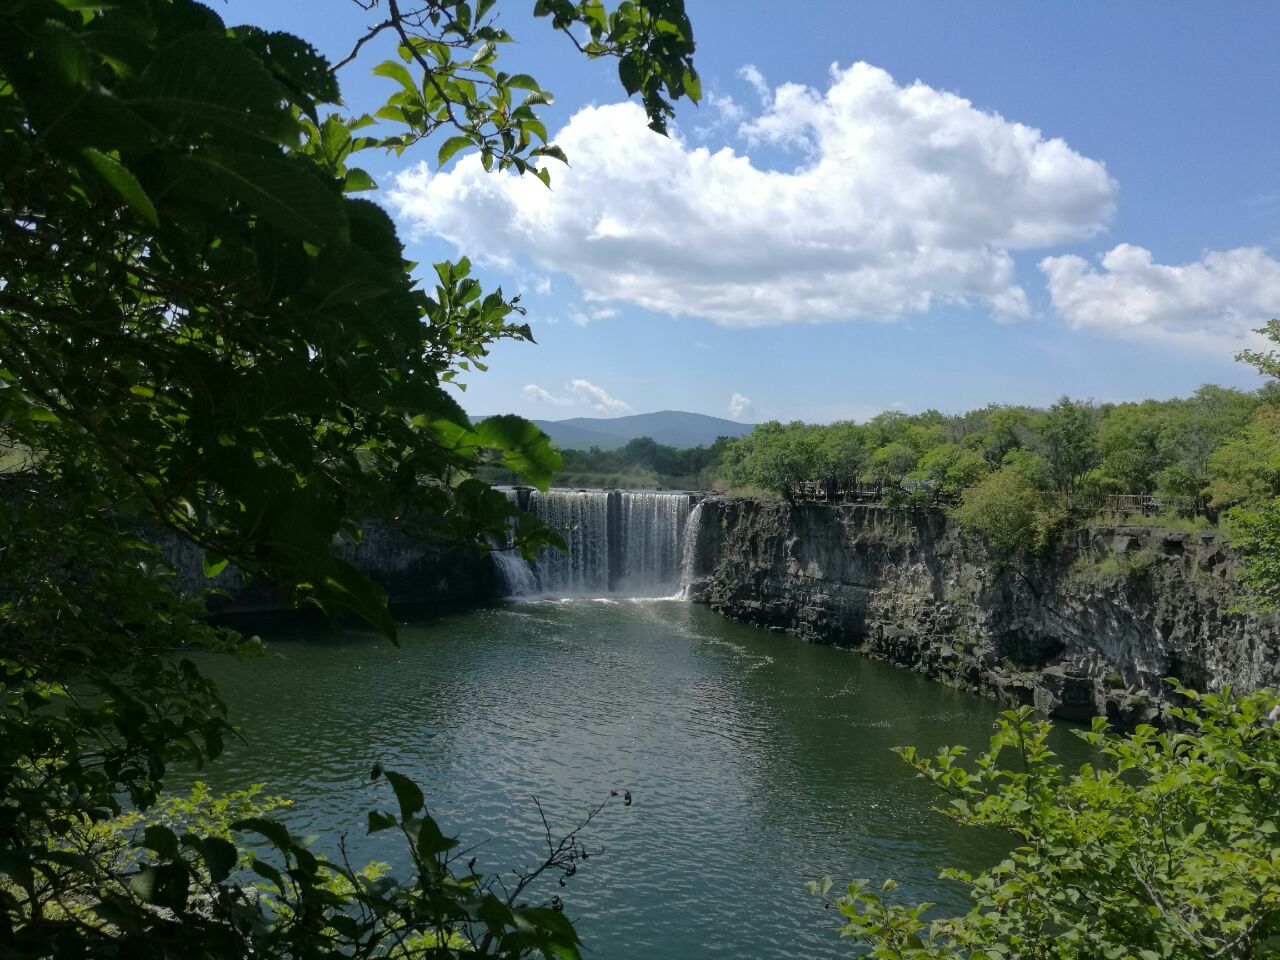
column 756, row 762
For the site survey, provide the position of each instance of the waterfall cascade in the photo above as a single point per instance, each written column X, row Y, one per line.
column 689, row 552
column 619, row 541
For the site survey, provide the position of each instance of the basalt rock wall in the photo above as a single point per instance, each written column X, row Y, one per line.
column 1093, row 628
column 413, row 570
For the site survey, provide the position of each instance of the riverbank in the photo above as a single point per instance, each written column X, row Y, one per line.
column 1092, row 629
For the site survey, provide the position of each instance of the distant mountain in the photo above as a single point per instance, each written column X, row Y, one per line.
column 565, row 434
column 674, row 428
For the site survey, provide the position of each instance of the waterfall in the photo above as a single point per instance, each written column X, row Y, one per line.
column 652, row 530
column 619, row 541
column 582, row 518
column 517, row 576
column 689, row 553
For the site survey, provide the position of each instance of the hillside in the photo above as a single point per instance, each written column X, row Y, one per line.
column 675, row 428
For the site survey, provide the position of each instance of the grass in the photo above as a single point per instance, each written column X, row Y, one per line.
column 1090, row 568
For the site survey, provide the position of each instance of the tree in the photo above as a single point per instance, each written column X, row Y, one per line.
column 204, row 331
column 1069, row 440
column 1246, row 469
column 894, row 461
column 952, row 468
column 1254, row 526
column 1008, row 512
column 1007, row 429
column 1165, row 847
column 1132, row 448
column 775, row 457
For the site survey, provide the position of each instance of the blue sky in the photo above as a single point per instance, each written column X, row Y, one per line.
column 950, row 255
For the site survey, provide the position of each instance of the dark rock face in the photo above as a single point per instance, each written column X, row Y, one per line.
column 412, row 570
column 1094, row 629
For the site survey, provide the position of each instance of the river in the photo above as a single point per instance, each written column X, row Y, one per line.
column 755, row 762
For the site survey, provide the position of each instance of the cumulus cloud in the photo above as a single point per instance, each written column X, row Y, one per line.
column 740, row 407
column 1217, row 299
column 901, row 196
column 598, row 399
column 536, row 394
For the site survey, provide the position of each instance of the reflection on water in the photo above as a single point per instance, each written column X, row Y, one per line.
column 756, row 762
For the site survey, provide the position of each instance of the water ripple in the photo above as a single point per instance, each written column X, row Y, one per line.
column 755, row 762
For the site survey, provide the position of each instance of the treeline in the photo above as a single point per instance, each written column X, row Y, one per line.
column 643, row 462
column 1022, row 474
column 1207, row 453
column 1220, row 444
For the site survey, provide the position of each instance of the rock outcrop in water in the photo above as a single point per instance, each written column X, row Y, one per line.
column 1092, row 629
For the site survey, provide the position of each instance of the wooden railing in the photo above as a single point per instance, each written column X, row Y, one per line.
column 857, row 490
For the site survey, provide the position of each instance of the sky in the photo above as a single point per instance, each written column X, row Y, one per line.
column 877, row 205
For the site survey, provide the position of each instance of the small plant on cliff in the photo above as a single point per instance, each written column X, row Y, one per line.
column 1168, row 846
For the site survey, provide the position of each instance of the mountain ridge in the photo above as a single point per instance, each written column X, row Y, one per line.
column 672, row 428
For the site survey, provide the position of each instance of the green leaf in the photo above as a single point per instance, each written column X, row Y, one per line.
column 275, row 833
column 431, row 841
column 144, row 883
column 550, row 150
column 629, row 73
column 522, row 81
column 397, row 72
column 408, row 794
column 220, row 857
column 118, row 177
column 380, row 821
column 525, row 448
column 450, row 147
column 692, row 84
column 360, row 595
column 214, row 565
column 162, row 840
column 215, row 82
column 358, row 180
column 286, row 194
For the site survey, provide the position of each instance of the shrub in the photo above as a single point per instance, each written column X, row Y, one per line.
column 1165, row 847
column 1007, row 511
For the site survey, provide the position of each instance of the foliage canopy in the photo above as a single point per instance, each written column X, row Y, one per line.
column 1166, row 847
column 204, row 328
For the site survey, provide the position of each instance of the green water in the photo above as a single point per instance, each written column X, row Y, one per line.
column 756, row 762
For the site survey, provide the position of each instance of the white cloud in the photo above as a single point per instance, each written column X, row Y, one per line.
column 1212, row 302
column 727, row 110
column 754, row 77
column 536, row 394
column 598, row 399
column 901, row 197
column 740, row 407
column 585, row 315
column 581, row 392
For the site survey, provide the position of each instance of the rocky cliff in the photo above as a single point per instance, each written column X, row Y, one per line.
column 1093, row 629
column 413, row 570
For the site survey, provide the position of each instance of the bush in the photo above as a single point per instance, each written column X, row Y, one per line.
column 1007, row 511
column 1166, row 847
